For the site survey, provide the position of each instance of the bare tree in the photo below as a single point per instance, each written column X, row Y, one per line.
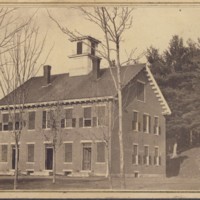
column 113, row 22
column 17, row 65
column 55, row 115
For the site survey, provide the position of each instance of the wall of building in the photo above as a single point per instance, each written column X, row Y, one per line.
column 77, row 135
column 152, row 107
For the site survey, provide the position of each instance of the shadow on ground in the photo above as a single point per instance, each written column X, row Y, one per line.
column 174, row 165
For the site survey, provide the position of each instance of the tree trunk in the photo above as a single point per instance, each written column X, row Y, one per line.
column 16, row 165
column 120, row 132
column 174, row 154
column 54, row 165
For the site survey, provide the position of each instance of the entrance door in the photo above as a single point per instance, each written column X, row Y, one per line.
column 49, row 158
column 87, row 152
column 14, row 156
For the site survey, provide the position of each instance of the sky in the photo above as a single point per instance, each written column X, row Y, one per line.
column 152, row 26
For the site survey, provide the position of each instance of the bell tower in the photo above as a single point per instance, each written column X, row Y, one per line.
column 84, row 53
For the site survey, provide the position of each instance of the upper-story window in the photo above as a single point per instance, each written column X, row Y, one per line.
column 68, row 121
column 31, row 120
column 135, row 122
column 157, row 157
column 87, row 117
column 146, row 155
column 140, row 91
column 92, row 48
column 146, row 123
column 45, row 119
column 157, row 129
column 5, row 124
column 135, row 154
column 79, row 47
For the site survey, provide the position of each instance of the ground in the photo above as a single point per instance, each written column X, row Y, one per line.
column 183, row 173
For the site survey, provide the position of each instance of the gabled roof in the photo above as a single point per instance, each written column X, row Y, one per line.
column 64, row 87
column 76, row 88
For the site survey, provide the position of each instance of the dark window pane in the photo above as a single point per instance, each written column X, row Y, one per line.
column 100, row 152
column 44, row 118
column 87, row 122
column 87, row 112
column 1, row 127
column 92, row 48
column 74, row 122
column 79, row 47
column 140, row 91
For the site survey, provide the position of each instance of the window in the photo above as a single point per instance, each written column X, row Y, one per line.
column 135, row 123
column 68, row 152
column 146, row 155
column 87, row 120
column 31, row 120
column 4, row 153
column 100, row 152
column 5, row 122
column 79, row 47
column 135, row 154
column 45, row 119
column 68, row 121
column 92, row 48
column 101, row 110
column 30, row 152
column 157, row 130
column 157, row 158
column 146, row 123
column 140, row 91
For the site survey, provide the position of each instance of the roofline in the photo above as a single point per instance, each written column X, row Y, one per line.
column 48, row 103
column 83, row 38
column 157, row 91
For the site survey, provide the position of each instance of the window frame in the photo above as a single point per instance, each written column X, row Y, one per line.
column 100, row 162
column 157, row 128
column 141, row 82
column 79, row 49
column 137, row 122
column 30, row 111
column 27, row 158
column 147, row 122
column 87, row 118
column 136, row 155
column 157, row 157
column 1, row 145
column 65, row 119
column 97, row 114
column 147, row 156
column 65, row 143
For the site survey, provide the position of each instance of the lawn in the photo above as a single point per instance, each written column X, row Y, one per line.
column 99, row 183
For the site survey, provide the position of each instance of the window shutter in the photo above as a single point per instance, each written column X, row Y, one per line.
column 159, row 160
column 144, row 159
column 159, row 130
column 154, row 160
column 81, row 122
column 144, row 123
column 149, row 124
column 139, row 126
column 73, row 122
column 150, row 161
column 1, row 127
column 154, row 129
column 44, row 119
column 133, row 125
column 94, row 121
column 133, row 159
column 139, row 160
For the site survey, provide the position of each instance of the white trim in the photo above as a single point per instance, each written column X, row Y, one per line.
column 47, row 142
column 30, row 142
column 101, row 104
column 47, row 103
column 86, row 106
column 98, row 141
column 68, row 142
column 166, row 109
column 86, row 141
column 4, row 143
column 30, row 163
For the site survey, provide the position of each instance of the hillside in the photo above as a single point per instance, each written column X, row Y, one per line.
column 187, row 164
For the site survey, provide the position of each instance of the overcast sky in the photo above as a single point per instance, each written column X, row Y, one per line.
column 152, row 25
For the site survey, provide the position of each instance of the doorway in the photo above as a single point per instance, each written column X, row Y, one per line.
column 49, row 158
column 87, row 155
column 14, row 156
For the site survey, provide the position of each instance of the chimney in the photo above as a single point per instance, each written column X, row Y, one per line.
column 96, row 67
column 47, row 74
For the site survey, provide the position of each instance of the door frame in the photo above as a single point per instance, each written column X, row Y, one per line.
column 82, row 147
column 13, row 148
column 47, row 146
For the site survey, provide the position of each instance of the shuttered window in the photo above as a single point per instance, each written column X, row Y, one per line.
column 87, row 121
column 100, row 152
column 30, row 153
column 5, row 122
column 68, row 152
column 4, row 153
column 135, row 154
column 135, row 125
column 146, row 123
column 101, row 110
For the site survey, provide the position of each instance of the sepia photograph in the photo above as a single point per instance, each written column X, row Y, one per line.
column 99, row 100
